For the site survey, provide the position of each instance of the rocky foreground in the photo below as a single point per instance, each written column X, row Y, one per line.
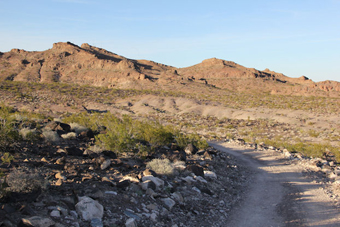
column 71, row 184
column 68, row 183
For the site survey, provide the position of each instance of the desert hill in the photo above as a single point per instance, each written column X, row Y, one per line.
column 86, row 64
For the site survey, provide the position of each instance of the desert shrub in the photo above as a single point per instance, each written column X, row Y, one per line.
column 9, row 136
column 23, row 181
column 142, row 151
column 183, row 140
column 119, row 135
column 51, row 136
column 161, row 166
column 91, row 121
column 154, row 133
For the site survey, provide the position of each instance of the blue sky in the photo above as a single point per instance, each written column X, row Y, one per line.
column 294, row 37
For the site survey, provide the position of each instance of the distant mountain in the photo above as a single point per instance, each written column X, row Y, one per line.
column 69, row 63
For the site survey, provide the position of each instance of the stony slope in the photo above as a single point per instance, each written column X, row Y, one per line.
column 85, row 64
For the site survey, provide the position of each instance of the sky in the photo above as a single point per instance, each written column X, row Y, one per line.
column 293, row 37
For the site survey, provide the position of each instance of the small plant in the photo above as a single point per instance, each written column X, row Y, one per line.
column 23, row 181
column 161, row 166
column 7, row 158
column 313, row 133
column 9, row 137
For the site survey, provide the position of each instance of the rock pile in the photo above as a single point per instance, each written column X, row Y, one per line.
column 85, row 187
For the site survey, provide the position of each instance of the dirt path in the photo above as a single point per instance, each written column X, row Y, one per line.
column 278, row 194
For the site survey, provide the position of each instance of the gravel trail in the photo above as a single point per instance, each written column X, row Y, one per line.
column 278, row 194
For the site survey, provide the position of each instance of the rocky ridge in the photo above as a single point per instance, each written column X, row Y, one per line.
column 86, row 64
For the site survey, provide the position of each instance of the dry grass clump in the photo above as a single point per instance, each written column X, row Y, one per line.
column 23, row 181
column 161, row 166
column 69, row 136
column 51, row 136
column 29, row 134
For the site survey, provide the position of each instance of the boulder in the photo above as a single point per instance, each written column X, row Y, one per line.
column 157, row 181
column 148, row 184
column 88, row 208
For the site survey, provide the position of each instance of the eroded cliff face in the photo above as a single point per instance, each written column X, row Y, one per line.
column 86, row 64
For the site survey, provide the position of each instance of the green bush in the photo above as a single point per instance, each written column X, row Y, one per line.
column 119, row 135
column 183, row 140
column 91, row 121
column 129, row 135
column 7, row 158
column 9, row 136
column 154, row 133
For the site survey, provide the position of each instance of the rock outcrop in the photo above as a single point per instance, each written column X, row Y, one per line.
column 86, row 64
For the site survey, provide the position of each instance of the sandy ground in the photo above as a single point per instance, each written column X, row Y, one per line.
column 278, row 193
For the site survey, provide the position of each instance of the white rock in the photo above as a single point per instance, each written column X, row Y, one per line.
column 131, row 223
column 88, row 208
column 111, row 193
column 158, row 182
column 210, row 174
column 179, row 165
column 188, row 179
column 153, row 217
column 287, row 154
column 55, row 213
column 105, row 164
column 169, row 203
column 38, row 221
